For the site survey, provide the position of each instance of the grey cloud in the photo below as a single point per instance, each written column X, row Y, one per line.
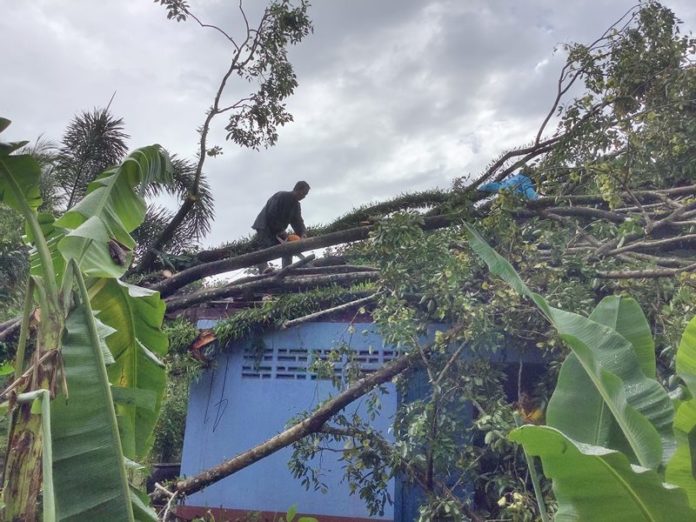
column 394, row 95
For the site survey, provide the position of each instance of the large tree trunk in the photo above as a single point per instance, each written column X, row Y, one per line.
column 171, row 285
column 291, row 283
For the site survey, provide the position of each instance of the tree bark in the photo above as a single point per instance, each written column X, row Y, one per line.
column 287, row 284
column 171, row 285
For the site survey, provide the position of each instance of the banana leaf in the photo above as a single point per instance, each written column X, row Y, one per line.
column 8, row 148
column 686, row 357
column 139, row 378
column 88, row 464
column 99, row 226
column 640, row 406
column 576, row 408
column 624, row 315
column 20, row 176
column 681, row 469
column 594, row 483
column 20, row 181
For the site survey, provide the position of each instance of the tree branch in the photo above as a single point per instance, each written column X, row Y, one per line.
column 288, row 283
column 645, row 274
column 311, row 424
column 659, row 244
column 171, row 285
column 327, row 311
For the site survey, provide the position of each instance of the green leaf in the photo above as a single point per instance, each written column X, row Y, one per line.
column 640, row 406
column 52, row 236
column 292, row 511
column 577, row 409
column 681, row 469
column 142, row 511
column 36, row 407
column 136, row 315
column 6, row 369
column 9, row 148
column 686, row 357
column 90, row 242
column 625, row 315
column 134, row 397
column 87, row 458
column 99, row 225
column 20, row 177
column 589, row 420
column 595, row 483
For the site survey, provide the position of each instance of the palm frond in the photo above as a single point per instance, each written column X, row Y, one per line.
column 93, row 142
column 197, row 222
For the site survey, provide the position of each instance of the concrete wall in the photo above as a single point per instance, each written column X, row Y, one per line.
column 239, row 404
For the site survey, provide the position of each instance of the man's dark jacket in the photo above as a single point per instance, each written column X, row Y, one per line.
column 280, row 210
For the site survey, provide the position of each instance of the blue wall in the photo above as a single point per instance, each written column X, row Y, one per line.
column 239, row 404
column 243, row 401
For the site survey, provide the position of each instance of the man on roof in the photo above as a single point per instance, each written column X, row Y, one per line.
column 281, row 209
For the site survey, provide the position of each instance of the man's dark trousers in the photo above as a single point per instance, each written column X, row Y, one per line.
column 266, row 239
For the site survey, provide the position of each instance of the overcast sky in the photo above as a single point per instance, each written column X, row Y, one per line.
column 395, row 95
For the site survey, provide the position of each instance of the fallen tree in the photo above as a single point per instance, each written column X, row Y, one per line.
column 171, row 285
column 616, row 216
column 313, row 423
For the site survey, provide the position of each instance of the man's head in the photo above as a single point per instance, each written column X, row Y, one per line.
column 301, row 190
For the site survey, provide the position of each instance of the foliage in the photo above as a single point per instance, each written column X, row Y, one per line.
column 94, row 141
column 14, row 263
column 423, row 281
column 84, row 327
column 81, row 425
column 641, row 76
column 259, row 56
column 680, row 469
column 590, row 481
column 255, row 123
column 594, row 470
column 370, row 213
column 638, row 404
column 197, row 222
column 630, row 128
column 181, row 371
column 273, row 312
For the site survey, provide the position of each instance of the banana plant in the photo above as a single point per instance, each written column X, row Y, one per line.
column 86, row 395
column 612, row 438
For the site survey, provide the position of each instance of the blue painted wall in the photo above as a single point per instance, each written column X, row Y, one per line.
column 243, row 401
column 239, row 404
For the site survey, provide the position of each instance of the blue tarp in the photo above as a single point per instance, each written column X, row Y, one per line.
column 519, row 184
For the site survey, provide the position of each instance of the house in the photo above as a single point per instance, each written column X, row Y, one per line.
column 253, row 388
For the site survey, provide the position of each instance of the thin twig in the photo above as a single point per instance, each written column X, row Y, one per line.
column 172, row 498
